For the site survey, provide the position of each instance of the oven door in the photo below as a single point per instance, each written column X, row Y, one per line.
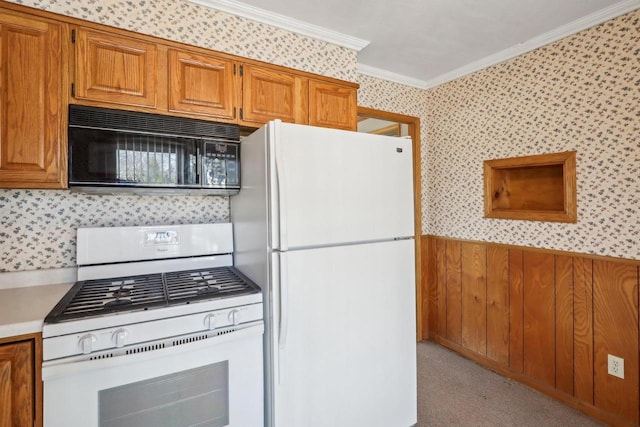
column 210, row 382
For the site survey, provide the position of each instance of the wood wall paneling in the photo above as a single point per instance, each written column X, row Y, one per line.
column 498, row 304
column 474, row 293
column 516, row 308
column 539, row 316
column 583, row 329
column 549, row 319
column 564, row 323
column 425, row 269
column 432, row 280
column 615, row 331
column 441, row 273
column 454, row 292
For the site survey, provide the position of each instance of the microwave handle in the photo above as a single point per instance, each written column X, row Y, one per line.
column 198, row 162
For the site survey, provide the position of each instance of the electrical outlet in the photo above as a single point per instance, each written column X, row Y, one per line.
column 615, row 366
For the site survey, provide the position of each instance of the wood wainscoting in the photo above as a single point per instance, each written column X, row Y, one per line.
column 546, row 318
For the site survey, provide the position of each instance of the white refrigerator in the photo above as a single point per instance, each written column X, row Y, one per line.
column 324, row 225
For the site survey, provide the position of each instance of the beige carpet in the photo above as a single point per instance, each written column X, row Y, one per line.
column 454, row 391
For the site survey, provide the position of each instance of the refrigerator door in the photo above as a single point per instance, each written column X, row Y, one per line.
column 335, row 187
column 344, row 351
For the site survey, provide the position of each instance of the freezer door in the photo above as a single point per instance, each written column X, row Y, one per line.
column 344, row 337
column 336, row 186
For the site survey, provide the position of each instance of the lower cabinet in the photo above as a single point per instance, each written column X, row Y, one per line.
column 20, row 386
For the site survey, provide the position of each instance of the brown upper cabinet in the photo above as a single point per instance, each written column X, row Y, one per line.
column 201, row 84
column 269, row 94
column 115, row 69
column 332, row 105
column 32, row 115
column 129, row 72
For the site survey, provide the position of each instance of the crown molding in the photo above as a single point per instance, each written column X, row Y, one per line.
column 285, row 23
column 391, row 76
column 549, row 37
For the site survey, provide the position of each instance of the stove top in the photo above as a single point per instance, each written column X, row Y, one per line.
column 91, row 298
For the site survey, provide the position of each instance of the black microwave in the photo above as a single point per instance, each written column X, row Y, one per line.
column 113, row 150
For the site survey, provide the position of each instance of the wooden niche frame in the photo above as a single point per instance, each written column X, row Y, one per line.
column 535, row 188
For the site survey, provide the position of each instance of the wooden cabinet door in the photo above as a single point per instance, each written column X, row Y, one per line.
column 201, row 84
column 268, row 94
column 17, row 408
column 116, row 69
column 32, row 121
column 332, row 106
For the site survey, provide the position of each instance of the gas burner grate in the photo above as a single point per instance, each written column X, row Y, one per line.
column 218, row 282
column 102, row 296
column 92, row 298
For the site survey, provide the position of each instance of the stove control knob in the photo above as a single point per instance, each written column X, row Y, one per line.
column 210, row 321
column 86, row 343
column 234, row 317
column 119, row 337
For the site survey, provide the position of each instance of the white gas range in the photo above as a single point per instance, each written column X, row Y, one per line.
column 160, row 330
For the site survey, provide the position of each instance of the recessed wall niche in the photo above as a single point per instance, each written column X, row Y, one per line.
column 534, row 188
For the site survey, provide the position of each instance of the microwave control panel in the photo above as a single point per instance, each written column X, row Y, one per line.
column 221, row 165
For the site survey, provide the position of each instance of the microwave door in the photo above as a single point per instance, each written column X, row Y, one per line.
column 107, row 157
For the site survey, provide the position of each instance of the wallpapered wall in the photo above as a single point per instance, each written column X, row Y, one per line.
column 37, row 227
column 581, row 93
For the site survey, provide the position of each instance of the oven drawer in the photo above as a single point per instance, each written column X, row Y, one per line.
column 213, row 382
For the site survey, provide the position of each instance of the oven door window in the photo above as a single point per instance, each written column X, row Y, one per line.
column 196, row 397
column 107, row 157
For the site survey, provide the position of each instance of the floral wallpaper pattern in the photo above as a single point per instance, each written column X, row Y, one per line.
column 38, row 227
column 198, row 25
column 581, row 93
column 401, row 99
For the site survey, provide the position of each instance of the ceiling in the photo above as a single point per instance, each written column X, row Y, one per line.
column 424, row 43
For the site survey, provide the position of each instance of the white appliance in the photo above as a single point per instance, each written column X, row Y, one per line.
column 160, row 330
column 324, row 225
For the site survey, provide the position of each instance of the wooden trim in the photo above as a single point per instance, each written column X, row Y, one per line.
column 544, row 388
column 542, row 250
column 422, row 310
column 508, row 197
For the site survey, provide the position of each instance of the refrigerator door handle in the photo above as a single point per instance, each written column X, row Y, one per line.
column 284, row 318
column 282, row 192
column 284, row 303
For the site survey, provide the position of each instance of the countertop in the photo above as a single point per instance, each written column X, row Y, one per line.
column 22, row 310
